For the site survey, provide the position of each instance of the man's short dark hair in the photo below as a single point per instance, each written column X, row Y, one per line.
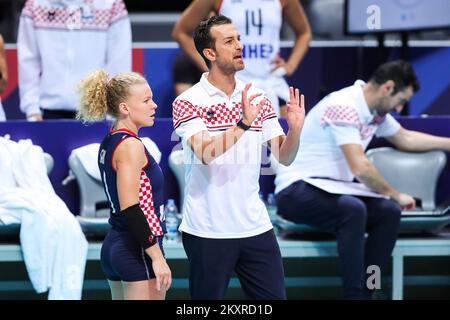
column 202, row 34
column 399, row 71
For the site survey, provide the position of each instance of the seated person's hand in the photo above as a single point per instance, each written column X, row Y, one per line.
column 406, row 201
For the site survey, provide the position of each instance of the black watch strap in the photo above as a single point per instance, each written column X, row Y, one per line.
column 242, row 125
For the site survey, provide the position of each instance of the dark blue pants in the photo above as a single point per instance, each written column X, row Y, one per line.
column 256, row 260
column 349, row 218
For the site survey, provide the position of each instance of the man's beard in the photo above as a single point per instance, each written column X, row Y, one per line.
column 231, row 67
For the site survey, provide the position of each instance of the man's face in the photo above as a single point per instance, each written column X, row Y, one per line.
column 227, row 53
column 396, row 102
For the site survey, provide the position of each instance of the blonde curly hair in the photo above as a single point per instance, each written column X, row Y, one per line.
column 101, row 95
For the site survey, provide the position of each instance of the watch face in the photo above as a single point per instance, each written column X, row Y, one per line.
column 407, row 3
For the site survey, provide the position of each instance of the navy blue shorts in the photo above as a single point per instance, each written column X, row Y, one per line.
column 256, row 260
column 123, row 259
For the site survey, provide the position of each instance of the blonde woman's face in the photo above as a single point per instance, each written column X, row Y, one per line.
column 141, row 105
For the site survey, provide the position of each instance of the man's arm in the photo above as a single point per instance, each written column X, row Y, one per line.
column 208, row 148
column 285, row 148
column 3, row 66
column 295, row 17
column 29, row 67
column 367, row 174
column 413, row 141
column 185, row 26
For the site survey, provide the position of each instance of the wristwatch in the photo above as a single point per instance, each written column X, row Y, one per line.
column 242, row 125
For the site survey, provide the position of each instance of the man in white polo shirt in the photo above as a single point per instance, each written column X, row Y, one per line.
column 223, row 124
column 317, row 188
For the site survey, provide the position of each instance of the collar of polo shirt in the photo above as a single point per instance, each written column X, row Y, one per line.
column 212, row 90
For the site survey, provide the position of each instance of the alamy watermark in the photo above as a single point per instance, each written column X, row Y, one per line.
column 374, row 277
column 373, row 21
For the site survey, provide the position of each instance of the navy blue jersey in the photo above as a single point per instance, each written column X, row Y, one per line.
column 150, row 190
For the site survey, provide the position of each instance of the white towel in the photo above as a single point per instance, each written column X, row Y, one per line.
column 53, row 244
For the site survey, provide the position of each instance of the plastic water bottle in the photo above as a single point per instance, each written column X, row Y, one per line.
column 172, row 221
column 261, row 196
column 271, row 206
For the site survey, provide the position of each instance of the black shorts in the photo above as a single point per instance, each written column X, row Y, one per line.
column 123, row 258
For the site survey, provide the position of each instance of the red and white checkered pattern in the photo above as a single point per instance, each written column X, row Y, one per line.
column 146, row 204
column 66, row 18
column 267, row 111
column 345, row 115
column 218, row 116
column 341, row 115
column 182, row 111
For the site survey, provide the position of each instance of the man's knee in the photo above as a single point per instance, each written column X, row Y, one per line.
column 389, row 210
column 353, row 210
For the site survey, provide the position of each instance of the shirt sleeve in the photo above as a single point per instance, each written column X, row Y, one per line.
column 343, row 123
column 186, row 120
column 118, row 55
column 29, row 62
column 271, row 128
column 388, row 127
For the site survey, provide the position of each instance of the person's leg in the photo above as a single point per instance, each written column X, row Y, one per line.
column 211, row 264
column 350, row 236
column 142, row 290
column 343, row 215
column 382, row 227
column 260, row 267
column 116, row 290
column 114, row 282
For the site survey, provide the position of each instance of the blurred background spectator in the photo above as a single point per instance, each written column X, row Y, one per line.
column 59, row 42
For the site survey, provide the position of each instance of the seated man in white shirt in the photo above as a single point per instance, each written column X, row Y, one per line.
column 59, row 43
column 334, row 137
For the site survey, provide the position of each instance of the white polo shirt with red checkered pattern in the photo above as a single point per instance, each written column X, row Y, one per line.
column 342, row 117
column 221, row 199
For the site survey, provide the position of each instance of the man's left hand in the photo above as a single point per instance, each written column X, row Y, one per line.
column 295, row 113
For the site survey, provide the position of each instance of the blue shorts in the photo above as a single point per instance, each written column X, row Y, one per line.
column 256, row 260
column 123, row 259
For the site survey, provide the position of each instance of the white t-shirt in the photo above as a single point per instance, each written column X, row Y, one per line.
column 342, row 117
column 259, row 24
column 221, row 199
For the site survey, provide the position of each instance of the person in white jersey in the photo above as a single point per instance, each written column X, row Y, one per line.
column 317, row 188
column 259, row 24
column 223, row 123
column 59, row 42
